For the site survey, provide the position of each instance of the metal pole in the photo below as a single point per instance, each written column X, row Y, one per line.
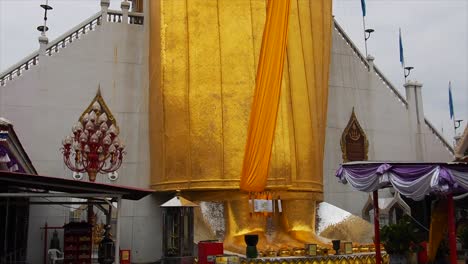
column 109, row 215
column 5, row 240
column 404, row 73
column 365, row 39
column 402, row 54
column 378, row 254
column 451, row 229
column 45, row 17
column 117, row 231
column 454, row 120
column 15, row 229
column 45, row 243
column 90, row 213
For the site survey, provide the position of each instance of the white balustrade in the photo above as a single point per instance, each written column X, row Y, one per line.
column 115, row 16
column 388, row 84
column 72, row 35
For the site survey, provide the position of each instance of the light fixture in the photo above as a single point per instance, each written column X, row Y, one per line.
column 368, row 32
column 94, row 146
column 408, row 71
column 113, row 176
column 77, row 176
column 44, row 27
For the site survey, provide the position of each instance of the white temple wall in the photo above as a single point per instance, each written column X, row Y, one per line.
column 384, row 119
column 434, row 148
column 48, row 99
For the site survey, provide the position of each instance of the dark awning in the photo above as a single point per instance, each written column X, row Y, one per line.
column 54, row 184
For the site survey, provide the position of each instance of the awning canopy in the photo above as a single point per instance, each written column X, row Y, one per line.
column 413, row 180
column 179, row 201
column 13, row 157
column 54, row 184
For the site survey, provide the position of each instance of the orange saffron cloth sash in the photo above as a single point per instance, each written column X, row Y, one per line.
column 263, row 116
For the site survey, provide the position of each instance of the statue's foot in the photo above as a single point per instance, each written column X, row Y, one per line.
column 275, row 242
column 284, row 240
column 237, row 243
column 310, row 238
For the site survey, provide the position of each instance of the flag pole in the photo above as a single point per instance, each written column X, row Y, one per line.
column 456, row 123
column 404, row 71
column 402, row 56
column 452, row 112
column 364, row 31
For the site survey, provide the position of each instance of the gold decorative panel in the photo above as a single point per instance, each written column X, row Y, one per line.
column 354, row 143
column 99, row 101
column 203, row 58
column 203, row 61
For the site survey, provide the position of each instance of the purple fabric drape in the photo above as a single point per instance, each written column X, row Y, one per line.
column 414, row 180
column 411, row 172
column 9, row 159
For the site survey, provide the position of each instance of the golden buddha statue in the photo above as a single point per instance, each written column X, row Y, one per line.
column 202, row 68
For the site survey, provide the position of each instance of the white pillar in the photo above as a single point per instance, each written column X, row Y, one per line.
column 43, row 41
column 104, row 8
column 125, row 5
column 371, row 74
column 416, row 117
column 370, row 61
column 365, row 103
column 117, row 230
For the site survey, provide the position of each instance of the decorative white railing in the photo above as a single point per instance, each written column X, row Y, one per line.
column 116, row 16
column 388, row 84
column 53, row 47
column 65, row 39
column 363, row 59
column 350, row 43
column 135, row 18
column 18, row 68
column 75, row 33
column 440, row 137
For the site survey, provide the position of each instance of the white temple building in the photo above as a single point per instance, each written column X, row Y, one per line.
column 46, row 92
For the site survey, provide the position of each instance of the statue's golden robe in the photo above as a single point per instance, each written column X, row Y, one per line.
column 203, row 61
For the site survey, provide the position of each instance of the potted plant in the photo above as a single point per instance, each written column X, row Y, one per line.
column 399, row 240
column 463, row 238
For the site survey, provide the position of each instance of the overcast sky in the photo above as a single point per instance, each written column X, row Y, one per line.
column 435, row 40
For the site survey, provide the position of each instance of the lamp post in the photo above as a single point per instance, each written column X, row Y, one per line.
column 106, row 252
column 407, row 71
column 367, row 34
column 44, row 27
column 94, row 146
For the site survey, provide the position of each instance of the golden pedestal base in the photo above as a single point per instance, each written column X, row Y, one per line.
column 359, row 258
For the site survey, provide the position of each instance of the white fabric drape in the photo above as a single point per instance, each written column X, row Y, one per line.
column 411, row 180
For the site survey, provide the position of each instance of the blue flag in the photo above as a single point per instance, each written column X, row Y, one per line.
column 363, row 7
column 402, row 58
column 450, row 101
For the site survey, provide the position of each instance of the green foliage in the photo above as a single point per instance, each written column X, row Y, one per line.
column 463, row 237
column 399, row 238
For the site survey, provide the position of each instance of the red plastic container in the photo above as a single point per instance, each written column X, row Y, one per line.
column 207, row 250
column 125, row 256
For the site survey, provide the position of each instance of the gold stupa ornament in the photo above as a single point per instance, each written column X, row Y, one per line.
column 354, row 143
column 94, row 146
